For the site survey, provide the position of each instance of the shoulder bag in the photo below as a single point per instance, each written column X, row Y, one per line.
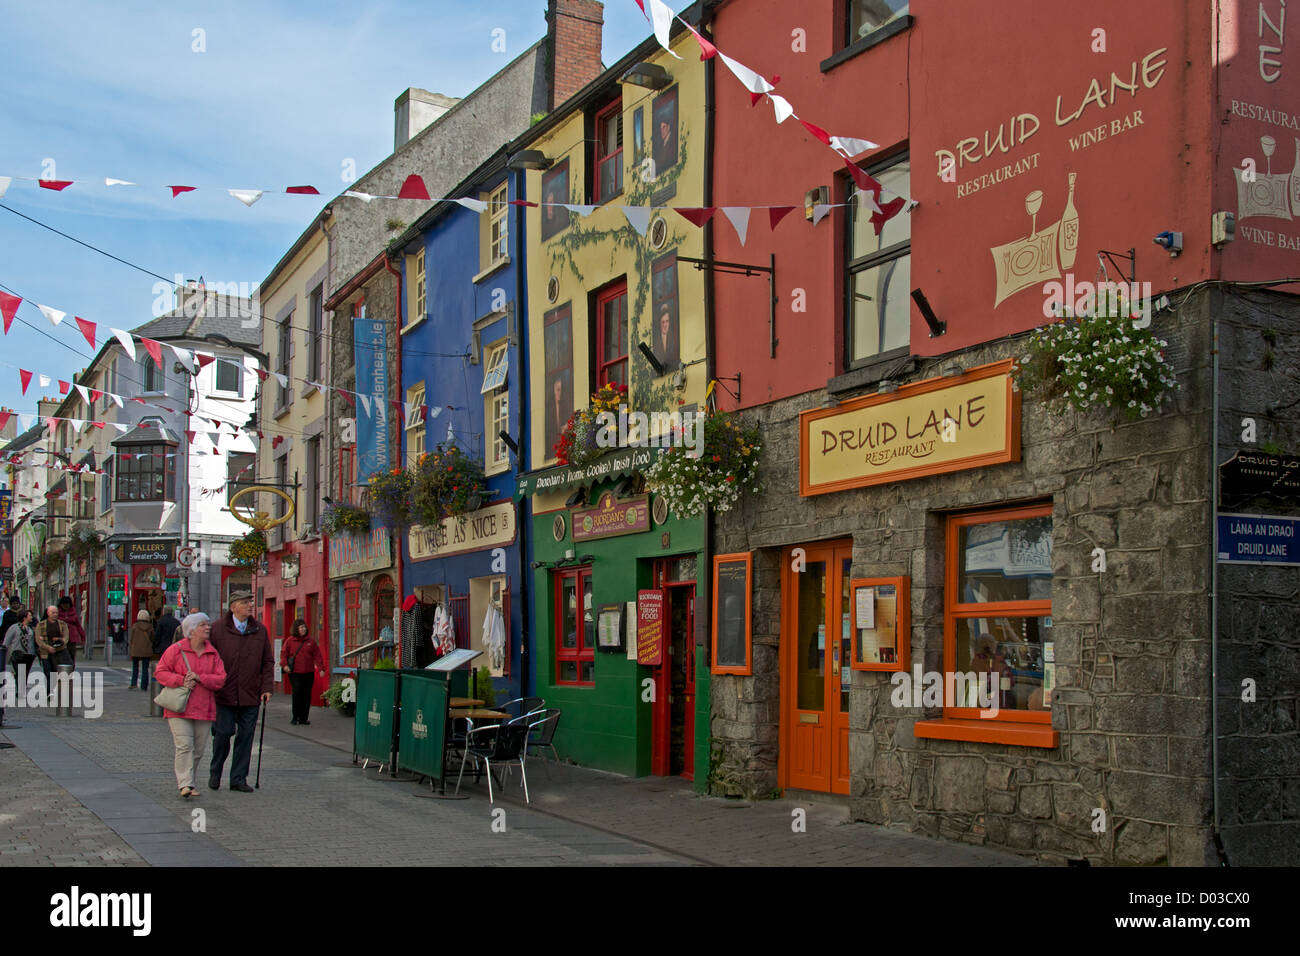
column 175, row 699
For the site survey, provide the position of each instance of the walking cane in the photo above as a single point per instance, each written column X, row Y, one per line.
column 260, row 740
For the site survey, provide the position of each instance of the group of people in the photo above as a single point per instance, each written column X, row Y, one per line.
column 53, row 641
column 148, row 641
column 229, row 670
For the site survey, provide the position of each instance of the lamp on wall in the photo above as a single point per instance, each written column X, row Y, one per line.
column 650, row 75
column 650, row 357
column 528, row 159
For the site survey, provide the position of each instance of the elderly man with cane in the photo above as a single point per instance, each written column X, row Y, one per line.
column 245, row 650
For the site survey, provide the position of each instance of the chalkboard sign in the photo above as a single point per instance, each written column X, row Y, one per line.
column 731, row 613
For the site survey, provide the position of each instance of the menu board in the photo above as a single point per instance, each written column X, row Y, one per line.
column 651, row 626
column 880, row 629
column 731, row 613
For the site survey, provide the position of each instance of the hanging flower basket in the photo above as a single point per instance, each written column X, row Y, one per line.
column 50, row 561
column 390, row 496
column 1098, row 361
column 726, row 468
column 446, row 484
column 347, row 518
column 82, row 542
column 578, row 443
column 248, row 550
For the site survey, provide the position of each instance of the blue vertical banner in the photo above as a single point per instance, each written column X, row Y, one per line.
column 370, row 338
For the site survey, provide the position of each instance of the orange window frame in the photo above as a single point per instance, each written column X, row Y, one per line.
column 902, row 622
column 747, row 668
column 1020, row 728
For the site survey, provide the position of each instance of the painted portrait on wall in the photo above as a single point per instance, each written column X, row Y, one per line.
column 663, row 131
column 665, row 328
column 555, row 189
column 557, row 396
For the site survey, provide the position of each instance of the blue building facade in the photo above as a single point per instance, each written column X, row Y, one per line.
column 463, row 356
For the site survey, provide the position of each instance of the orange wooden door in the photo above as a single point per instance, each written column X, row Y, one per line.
column 815, row 668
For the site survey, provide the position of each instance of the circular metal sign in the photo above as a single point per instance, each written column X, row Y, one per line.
column 187, row 557
column 557, row 528
column 659, row 509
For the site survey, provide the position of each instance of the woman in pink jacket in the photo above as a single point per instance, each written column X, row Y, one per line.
column 194, row 663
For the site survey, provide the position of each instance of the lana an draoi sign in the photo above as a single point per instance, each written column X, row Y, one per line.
column 930, row 427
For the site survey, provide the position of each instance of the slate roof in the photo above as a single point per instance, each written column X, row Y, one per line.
column 231, row 316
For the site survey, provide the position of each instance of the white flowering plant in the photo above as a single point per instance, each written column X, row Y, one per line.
column 717, row 476
column 1098, row 360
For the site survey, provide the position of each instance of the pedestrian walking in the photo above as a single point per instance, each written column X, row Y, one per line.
column 52, row 642
column 302, row 661
column 20, row 642
column 194, row 663
column 11, row 614
column 141, row 649
column 76, row 633
column 245, row 649
column 164, row 631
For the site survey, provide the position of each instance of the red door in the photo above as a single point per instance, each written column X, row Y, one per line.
column 673, row 714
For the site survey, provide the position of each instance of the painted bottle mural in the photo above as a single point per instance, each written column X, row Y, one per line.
column 1295, row 181
column 1069, row 234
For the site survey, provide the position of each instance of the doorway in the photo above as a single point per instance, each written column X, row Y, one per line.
column 673, row 714
column 815, row 667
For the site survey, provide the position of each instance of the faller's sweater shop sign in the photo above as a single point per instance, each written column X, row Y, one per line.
column 930, row 427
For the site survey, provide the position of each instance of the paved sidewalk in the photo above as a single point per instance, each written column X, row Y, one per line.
column 111, row 780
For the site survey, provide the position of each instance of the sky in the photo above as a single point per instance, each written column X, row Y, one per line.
column 230, row 94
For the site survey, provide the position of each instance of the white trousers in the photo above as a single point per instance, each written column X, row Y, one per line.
column 191, row 739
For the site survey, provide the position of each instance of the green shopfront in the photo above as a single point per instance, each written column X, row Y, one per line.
column 619, row 619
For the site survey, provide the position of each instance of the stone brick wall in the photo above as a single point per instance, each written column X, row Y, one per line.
column 1132, row 644
column 1259, row 606
column 574, row 32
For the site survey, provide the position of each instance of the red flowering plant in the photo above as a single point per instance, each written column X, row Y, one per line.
column 390, row 496
column 446, row 484
column 577, row 444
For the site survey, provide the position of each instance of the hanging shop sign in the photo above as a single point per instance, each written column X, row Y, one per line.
column 1251, row 474
column 611, row 517
column 625, row 461
column 357, row 553
column 1259, row 539
column 146, row 552
column 651, row 626
column 6, row 509
column 931, row 427
column 491, row 527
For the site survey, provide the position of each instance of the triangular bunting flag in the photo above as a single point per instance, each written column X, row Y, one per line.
column 698, row 215
column 523, row 202
column 707, row 50
column 120, row 426
column 781, row 106
column 117, row 182
column 87, row 329
column 58, row 185
column 738, row 216
column 282, row 379
column 204, row 359
column 54, row 315
column 364, row 197
column 817, row 131
column 476, row 205
column 25, row 377
column 748, row 78
column 365, row 403
column 580, row 210
column 412, row 410
column 819, row 211
column 83, row 392
column 776, row 213
column 64, row 387
column 413, row 188
column 44, row 380
column 639, row 217
column 127, row 342
column 189, row 435
column 346, row 396
column 4, row 419
column 755, row 97
column 117, row 399
column 96, row 394
column 215, row 438
column 177, row 190
column 847, row 146
column 887, row 212
column 246, row 196
column 4, row 185
column 25, row 420
column 303, row 190
column 154, row 349
column 76, row 424
column 263, row 374
column 8, row 307
column 185, row 356
column 661, row 16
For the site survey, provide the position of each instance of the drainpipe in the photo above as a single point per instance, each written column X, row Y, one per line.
column 397, row 537
column 703, row 574
column 521, row 459
column 1214, row 587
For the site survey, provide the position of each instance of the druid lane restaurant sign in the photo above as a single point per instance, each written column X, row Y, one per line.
column 1251, row 474
column 489, row 527
column 928, row 428
column 611, row 517
column 626, row 461
column 147, row 552
column 357, row 553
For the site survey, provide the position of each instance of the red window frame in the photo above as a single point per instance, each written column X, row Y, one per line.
column 351, row 618
column 582, row 653
column 611, row 296
column 603, row 154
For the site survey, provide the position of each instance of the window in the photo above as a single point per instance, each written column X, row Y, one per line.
column 284, row 397
column 106, row 486
column 879, row 274
column 241, row 472
column 496, row 408
column 415, row 425
column 311, row 505
column 316, row 334
column 575, row 628
column 867, row 16
column 347, row 469
column 609, row 152
column 998, row 628
column 230, row 376
column 611, row 335
column 351, row 619
column 498, row 234
column 418, row 292
column 146, row 473
column 151, row 376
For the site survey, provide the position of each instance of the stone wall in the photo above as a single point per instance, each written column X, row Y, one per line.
column 1259, row 606
column 1132, row 644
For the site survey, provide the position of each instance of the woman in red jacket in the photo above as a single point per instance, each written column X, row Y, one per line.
column 194, row 663
column 301, row 659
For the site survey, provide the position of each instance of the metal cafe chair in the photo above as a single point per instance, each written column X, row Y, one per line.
column 503, row 743
column 527, row 705
column 541, row 733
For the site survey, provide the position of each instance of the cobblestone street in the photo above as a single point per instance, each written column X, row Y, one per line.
column 99, row 792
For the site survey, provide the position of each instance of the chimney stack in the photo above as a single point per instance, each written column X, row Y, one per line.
column 573, row 33
column 415, row 110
